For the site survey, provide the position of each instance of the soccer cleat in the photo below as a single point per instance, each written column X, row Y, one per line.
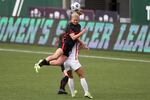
column 74, row 93
column 88, row 95
column 37, row 66
column 61, row 91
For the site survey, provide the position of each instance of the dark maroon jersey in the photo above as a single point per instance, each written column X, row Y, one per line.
column 66, row 42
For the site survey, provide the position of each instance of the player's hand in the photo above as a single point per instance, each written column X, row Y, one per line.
column 84, row 30
column 86, row 47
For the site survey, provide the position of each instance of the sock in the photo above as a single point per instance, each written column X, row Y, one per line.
column 71, row 85
column 44, row 62
column 84, row 85
column 63, row 82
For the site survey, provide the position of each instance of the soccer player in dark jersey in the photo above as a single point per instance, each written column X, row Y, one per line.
column 65, row 77
column 69, row 38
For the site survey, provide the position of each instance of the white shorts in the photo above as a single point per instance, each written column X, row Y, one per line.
column 72, row 65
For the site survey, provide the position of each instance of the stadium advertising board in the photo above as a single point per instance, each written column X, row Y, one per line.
column 100, row 35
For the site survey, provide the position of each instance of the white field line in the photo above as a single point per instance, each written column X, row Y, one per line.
column 84, row 56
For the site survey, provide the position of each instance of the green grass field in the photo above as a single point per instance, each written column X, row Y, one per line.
column 108, row 79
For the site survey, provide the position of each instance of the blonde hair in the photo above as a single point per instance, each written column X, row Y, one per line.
column 75, row 15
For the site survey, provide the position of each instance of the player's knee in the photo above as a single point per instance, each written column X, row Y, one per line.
column 70, row 76
column 81, row 76
column 55, row 56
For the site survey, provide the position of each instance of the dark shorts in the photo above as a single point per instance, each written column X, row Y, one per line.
column 62, row 68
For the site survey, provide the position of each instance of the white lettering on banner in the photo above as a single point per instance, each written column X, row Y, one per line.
column 148, row 12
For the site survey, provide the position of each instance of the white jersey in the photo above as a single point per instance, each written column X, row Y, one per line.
column 74, row 52
column 72, row 63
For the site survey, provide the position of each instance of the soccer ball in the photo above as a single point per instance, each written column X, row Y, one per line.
column 75, row 6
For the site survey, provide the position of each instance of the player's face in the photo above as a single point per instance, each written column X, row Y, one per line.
column 75, row 21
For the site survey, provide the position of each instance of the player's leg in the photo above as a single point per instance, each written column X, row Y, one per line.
column 56, row 55
column 71, row 83
column 59, row 61
column 63, row 81
column 83, row 82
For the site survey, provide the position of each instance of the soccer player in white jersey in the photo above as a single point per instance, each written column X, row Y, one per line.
column 73, row 64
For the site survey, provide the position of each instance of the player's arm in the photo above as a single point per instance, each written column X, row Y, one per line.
column 76, row 36
column 83, row 44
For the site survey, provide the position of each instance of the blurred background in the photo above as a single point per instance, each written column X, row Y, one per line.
column 126, row 11
column 44, row 20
